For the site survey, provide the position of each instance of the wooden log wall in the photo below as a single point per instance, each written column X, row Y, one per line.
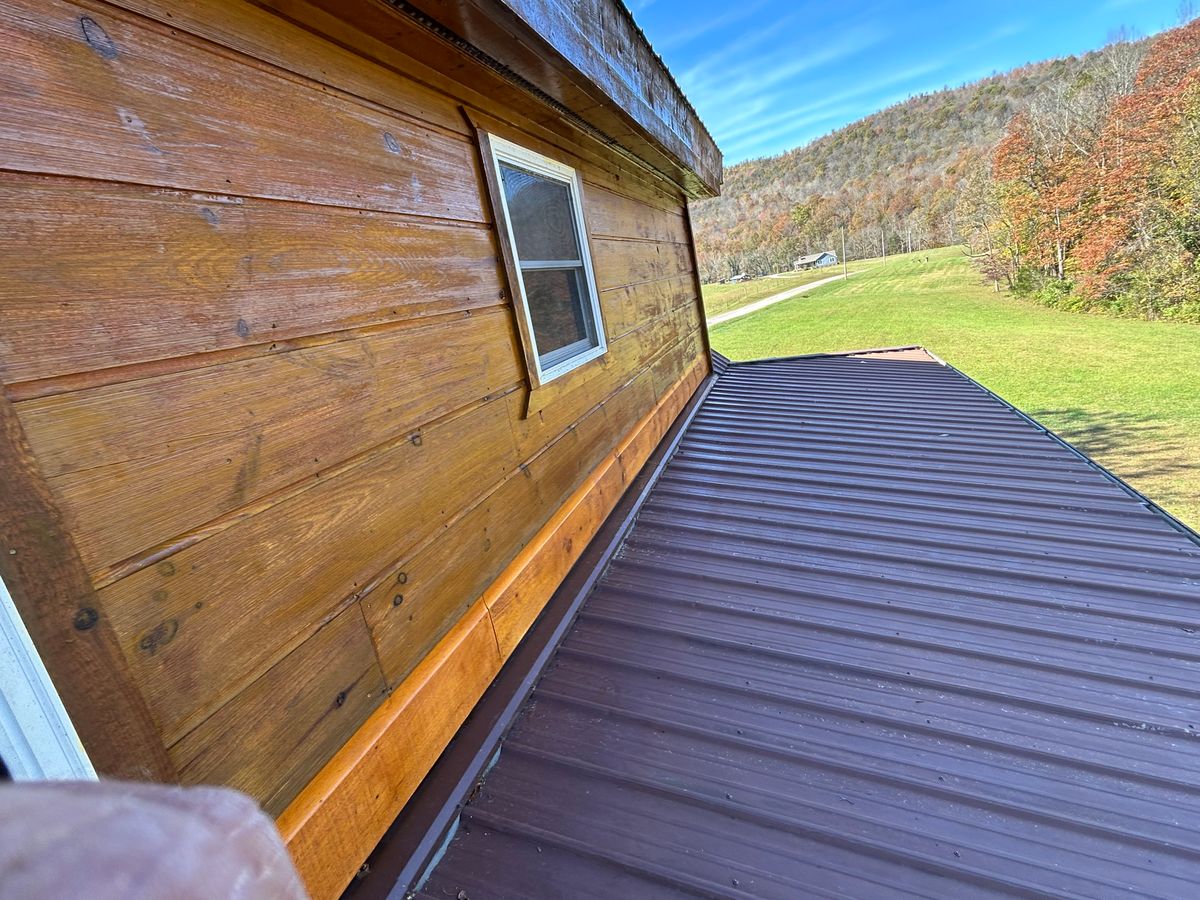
column 259, row 354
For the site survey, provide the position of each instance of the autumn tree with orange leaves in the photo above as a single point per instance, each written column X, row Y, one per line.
column 1098, row 186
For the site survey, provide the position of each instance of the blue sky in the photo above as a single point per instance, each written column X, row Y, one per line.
column 769, row 75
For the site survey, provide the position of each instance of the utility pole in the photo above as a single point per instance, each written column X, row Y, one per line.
column 845, row 272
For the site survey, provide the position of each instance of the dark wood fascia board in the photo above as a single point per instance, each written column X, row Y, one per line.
column 53, row 593
column 413, row 841
column 594, row 63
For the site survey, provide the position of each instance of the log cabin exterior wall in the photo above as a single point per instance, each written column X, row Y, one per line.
column 259, row 358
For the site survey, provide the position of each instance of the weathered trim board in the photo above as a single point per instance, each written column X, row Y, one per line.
column 338, row 818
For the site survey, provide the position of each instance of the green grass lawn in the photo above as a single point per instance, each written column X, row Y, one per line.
column 1126, row 392
column 719, row 298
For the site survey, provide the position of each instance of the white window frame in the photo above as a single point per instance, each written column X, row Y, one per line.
column 37, row 739
column 504, row 151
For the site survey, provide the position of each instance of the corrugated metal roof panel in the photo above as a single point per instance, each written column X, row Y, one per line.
column 873, row 633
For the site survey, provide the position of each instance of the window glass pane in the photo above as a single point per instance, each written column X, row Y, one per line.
column 540, row 211
column 557, row 308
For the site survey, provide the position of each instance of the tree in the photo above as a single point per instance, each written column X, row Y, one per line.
column 980, row 216
column 1095, row 190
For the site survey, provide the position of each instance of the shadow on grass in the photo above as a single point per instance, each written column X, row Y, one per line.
column 1132, row 446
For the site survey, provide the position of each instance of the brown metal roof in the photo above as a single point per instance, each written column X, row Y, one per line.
column 873, row 633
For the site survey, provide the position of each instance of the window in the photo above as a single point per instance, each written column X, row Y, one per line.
column 543, row 217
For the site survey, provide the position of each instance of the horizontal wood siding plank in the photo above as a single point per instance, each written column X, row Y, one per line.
column 257, row 32
column 124, row 99
column 643, row 441
column 95, row 274
column 421, row 599
column 202, row 624
column 613, row 215
column 175, row 452
column 560, row 403
column 516, row 604
column 272, row 738
column 622, row 263
column 523, row 599
column 668, row 368
column 630, row 307
column 563, row 465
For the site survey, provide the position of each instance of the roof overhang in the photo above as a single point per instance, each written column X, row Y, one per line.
column 590, row 58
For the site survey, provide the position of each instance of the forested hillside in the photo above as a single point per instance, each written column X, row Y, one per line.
column 1092, row 199
column 893, row 178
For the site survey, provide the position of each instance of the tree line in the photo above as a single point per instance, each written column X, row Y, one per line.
column 1091, row 201
column 891, row 180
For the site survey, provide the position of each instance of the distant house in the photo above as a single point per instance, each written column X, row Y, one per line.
column 817, row 261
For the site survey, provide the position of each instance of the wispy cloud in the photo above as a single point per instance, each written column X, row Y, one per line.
column 821, row 107
column 768, row 75
column 683, row 36
column 756, row 73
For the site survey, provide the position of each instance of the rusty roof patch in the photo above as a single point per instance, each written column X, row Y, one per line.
column 874, row 632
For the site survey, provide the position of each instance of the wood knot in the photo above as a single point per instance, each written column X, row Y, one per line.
column 397, row 600
column 86, row 619
column 97, row 37
column 389, row 141
column 159, row 636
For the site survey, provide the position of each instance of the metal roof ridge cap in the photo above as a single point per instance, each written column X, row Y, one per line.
column 829, row 355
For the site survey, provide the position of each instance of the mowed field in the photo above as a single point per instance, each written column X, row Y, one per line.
column 1126, row 392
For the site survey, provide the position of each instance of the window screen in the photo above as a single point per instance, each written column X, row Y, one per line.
column 541, row 201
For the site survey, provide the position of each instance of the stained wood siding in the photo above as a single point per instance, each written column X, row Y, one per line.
column 259, row 341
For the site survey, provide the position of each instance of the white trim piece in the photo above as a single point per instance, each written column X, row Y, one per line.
column 515, row 154
column 37, row 739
